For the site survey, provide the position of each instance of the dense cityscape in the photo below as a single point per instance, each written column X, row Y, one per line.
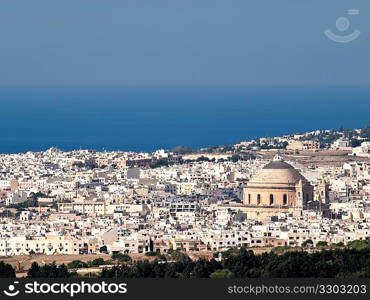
column 306, row 190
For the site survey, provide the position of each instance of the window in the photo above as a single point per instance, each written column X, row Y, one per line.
column 271, row 199
column 258, row 199
column 285, row 199
column 249, row 199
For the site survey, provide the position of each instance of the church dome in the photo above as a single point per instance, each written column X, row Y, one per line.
column 279, row 172
column 278, row 184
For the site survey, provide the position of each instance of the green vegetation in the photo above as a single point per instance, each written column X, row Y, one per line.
column 103, row 249
column 6, row 270
column 365, row 133
column 274, row 145
column 322, row 244
column 282, row 249
column 26, row 204
column 163, row 162
column 92, row 263
column 265, row 145
column 241, row 263
column 183, row 150
column 355, row 143
column 77, row 264
column 307, row 243
column 97, row 262
column 352, row 261
column 204, row 158
column 7, row 214
column 32, row 201
column 355, row 138
column 176, row 255
column 48, row 271
column 222, row 274
column 325, row 138
column 226, row 254
column 121, row 257
column 235, row 157
column 359, row 245
column 152, row 253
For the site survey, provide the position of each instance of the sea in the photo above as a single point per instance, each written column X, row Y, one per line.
column 150, row 118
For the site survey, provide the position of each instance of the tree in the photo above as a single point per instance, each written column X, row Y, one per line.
column 7, row 214
column 34, row 270
column 355, row 143
column 48, row 271
column 351, row 261
column 241, row 263
column 162, row 162
column 307, row 243
column 6, row 270
column 235, row 157
column 290, row 264
column 96, row 262
column 365, row 133
column 225, row 273
column 178, row 255
column 359, row 245
column 182, row 150
column 77, row 264
column 231, row 252
column 322, row 244
column 151, row 253
column 121, row 257
column 103, row 249
column 203, row 158
column 282, row 249
column 202, row 269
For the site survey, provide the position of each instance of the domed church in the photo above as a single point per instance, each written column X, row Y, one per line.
column 278, row 187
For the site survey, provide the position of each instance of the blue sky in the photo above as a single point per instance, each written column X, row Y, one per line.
column 180, row 42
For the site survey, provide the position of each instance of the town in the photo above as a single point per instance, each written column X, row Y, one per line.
column 307, row 188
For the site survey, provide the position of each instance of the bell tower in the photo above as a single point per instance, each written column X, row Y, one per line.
column 299, row 195
column 322, row 191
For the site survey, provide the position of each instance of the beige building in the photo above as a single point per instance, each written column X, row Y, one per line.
column 49, row 245
column 278, row 187
column 303, row 145
column 87, row 207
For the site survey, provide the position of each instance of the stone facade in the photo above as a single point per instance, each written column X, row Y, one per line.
column 278, row 187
